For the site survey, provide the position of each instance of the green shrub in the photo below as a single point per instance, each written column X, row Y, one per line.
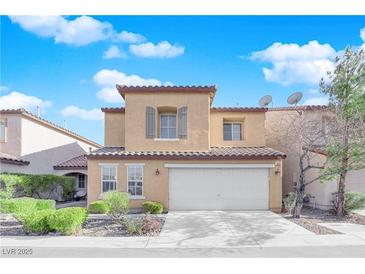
column 67, row 220
column 354, row 201
column 133, row 227
column 152, row 207
column 118, row 203
column 25, row 204
column 98, row 207
column 289, row 201
column 33, row 185
column 37, row 221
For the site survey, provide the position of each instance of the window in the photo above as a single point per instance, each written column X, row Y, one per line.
column 3, row 126
column 109, row 178
column 82, row 180
column 168, row 126
column 135, row 180
column 232, row 131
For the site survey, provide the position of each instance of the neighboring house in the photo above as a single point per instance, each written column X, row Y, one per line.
column 169, row 145
column 32, row 145
column 277, row 124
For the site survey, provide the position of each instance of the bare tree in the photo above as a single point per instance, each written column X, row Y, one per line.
column 304, row 133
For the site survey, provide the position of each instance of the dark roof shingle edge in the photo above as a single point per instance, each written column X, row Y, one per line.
column 238, row 109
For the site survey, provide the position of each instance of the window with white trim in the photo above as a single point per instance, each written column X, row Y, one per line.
column 135, row 180
column 3, row 125
column 168, row 126
column 81, row 180
column 109, row 178
column 232, row 131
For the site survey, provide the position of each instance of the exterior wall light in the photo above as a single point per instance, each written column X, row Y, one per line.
column 277, row 168
column 157, row 172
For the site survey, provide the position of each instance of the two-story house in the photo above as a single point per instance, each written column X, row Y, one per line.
column 32, row 145
column 169, row 144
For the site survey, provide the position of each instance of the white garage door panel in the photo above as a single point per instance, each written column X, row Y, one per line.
column 218, row 189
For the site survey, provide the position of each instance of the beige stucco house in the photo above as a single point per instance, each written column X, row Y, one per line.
column 169, row 144
column 277, row 123
column 32, row 145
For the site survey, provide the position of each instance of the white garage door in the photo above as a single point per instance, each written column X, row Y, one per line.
column 218, row 188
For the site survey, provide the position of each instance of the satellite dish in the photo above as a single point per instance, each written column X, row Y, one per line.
column 295, row 98
column 265, row 100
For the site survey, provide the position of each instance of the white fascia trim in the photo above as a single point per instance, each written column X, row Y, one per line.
column 219, row 165
column 108, row 164
column 134, row 164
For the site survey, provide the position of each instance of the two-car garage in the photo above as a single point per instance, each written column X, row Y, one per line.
column 218, row 186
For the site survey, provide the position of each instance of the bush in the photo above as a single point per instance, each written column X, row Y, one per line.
column 289, row 201
column 133, row 227
column 37, row 221
column 152, row 207
column 99, row 207
column 33, row 185
column 354, row 201
column 25, row 204
column 150, row 226
column 118, row 203
column 67, row 220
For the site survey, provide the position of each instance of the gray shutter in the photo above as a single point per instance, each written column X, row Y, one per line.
column 182, row 115
column 150, row 122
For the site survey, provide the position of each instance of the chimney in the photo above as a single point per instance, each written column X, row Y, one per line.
column 38, row 111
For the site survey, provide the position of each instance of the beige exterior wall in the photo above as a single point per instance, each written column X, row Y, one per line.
column 198, row 121
column 36, row 137
column 277, row 123
column 253, row 129
column 114, row 129
column 12, row 144
column 156, row 187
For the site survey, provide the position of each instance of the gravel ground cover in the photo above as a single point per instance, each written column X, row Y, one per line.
column 98, row 226
column 311, row 219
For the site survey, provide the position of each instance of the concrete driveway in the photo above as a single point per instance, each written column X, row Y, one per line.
column 196, row 229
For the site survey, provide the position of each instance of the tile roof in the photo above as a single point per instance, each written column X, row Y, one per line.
column 9, row 159
column 48, row 123
column 309, row 107
column 198, row 89
column 79, row 162
column 116, row 110
column 215, row 153
column 238, row 109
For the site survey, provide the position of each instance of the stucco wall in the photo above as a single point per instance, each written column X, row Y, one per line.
column 37, row 137
column 253, row 128
column 277, row 123
column 198, row 121
column 323, row 192
column 12, row 145
column 156, row 187
column 114, row 129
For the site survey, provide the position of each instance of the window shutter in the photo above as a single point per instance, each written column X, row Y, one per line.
column 150, row 122
column 182, row 122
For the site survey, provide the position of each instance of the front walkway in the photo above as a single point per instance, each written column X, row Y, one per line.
column 204, row 233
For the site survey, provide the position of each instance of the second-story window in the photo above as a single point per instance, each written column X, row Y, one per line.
column 168, row 126
column 232, row 131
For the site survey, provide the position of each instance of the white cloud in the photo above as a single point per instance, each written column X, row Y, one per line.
column 316, row 101
column 107, row 80
column 162, row 50
column 15, row 100
column 130, row 37
column 292, row 63
column 81, row 31
column 362, row 34
column 114, row 52
column 74, row 111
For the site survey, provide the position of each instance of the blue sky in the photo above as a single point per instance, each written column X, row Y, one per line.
column 70, row 65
